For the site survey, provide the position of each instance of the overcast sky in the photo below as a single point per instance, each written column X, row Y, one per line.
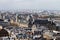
column 30, row 4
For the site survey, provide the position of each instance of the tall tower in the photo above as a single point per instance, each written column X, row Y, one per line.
column 0, row 16
column 16, row 18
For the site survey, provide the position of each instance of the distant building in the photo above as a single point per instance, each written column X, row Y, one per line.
column 46, row 23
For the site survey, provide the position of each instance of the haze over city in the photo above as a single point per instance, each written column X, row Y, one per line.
column 30, row 4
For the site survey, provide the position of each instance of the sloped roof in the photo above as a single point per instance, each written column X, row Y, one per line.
column 3, row 33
